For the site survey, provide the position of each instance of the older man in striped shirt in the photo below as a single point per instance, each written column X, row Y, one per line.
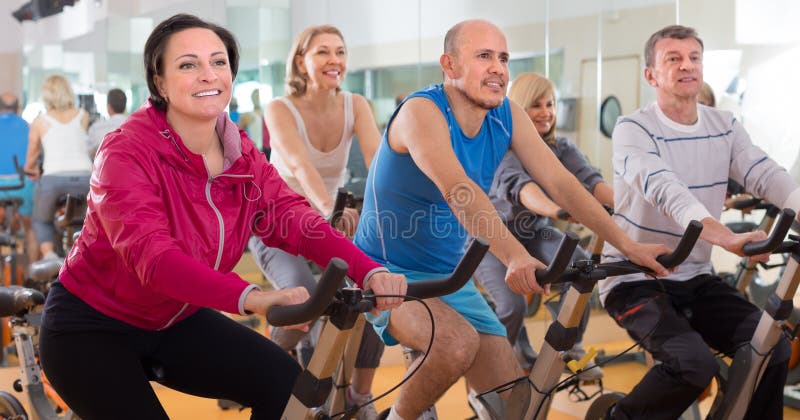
column 672, row 161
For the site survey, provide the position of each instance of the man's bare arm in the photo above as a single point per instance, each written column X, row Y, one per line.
column 420, row 130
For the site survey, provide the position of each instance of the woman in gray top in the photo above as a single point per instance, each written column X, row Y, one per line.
column 528, row 211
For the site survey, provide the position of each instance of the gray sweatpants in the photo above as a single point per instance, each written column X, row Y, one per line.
column 285, row 270
column 45, row 196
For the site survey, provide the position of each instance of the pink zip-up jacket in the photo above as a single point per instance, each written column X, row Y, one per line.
column 161, row 235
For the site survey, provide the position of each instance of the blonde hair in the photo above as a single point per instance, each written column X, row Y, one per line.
column 706, row 96
column 530, row 87
column 57, row 94
column 296, row 82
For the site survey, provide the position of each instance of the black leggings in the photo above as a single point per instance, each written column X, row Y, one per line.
column 99, row 372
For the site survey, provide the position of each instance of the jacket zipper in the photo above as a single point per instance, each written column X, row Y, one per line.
column 216, row 211
column 168, row 135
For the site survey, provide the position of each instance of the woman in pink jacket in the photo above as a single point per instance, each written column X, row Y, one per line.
column 176, row 192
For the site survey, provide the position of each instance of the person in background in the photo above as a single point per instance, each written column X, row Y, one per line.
column 175, row 195
column 706, row 96
column 311, row 131
column 115, row 106
column 59, row 138
column 233, row 110
column 528, row 211
column 253, row 122
column 14, row 143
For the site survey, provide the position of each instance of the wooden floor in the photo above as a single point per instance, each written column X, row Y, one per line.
column 602, row 333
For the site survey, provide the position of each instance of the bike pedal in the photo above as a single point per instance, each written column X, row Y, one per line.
column 577, row 365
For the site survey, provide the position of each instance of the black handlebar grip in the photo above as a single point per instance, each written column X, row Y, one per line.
column 457, row 279
column 743, row 204
column 775, row 238
column 684, row 248
column 562, row 258
column 338, row 207
column 562, row 214
column 311, row 309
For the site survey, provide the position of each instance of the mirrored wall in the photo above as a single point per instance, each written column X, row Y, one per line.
column 591, row 49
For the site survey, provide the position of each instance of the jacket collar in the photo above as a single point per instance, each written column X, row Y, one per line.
column 180, row 155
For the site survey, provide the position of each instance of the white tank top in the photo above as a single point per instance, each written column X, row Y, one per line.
column 332, row 165
column 64, row 147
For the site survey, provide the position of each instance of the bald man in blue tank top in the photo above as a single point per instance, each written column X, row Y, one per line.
column 427, row 190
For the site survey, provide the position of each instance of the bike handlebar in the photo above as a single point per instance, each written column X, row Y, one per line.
column 457, row 279
column 21, row 174
column 328, row 284
column 743, row 204
column 563, row 256
column 755, row 203
column 70, row 210
column 562, row 214
column 338, row 206
column 775, row 238
column 601, row 271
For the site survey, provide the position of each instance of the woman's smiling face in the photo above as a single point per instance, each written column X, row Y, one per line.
column 197, row 78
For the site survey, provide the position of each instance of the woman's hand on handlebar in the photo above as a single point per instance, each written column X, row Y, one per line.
column 259, row 301
column 645, row 255
column 348, row 223
column 386, row 283
column 520, row 276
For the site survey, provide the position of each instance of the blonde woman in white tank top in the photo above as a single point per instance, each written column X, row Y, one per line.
column 310, row 131
column 61, row 135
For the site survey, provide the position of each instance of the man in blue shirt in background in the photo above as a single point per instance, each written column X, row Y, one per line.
column 14, row 142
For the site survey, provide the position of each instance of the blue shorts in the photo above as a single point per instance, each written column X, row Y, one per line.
column 467, row 301
column 25, row 193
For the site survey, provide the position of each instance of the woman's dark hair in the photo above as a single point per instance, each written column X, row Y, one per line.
column 157, row 43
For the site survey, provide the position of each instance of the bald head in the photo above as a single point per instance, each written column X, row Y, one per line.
column 9, row 103
column 454, row 37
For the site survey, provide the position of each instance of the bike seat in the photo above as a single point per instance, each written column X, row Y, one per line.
column 45, row 270
column 741, row 227
column 16, row 300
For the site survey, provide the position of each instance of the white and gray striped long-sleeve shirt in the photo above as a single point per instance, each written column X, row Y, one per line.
column 667, row 174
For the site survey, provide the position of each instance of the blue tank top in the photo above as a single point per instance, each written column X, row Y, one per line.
column 405, row 220
column 14, row 143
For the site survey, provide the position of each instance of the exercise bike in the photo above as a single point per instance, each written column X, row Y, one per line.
column 530, row 396
column 343, row 308
column 18, row 304
column 738, row 380
column 13, row 263
column 561, row 260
